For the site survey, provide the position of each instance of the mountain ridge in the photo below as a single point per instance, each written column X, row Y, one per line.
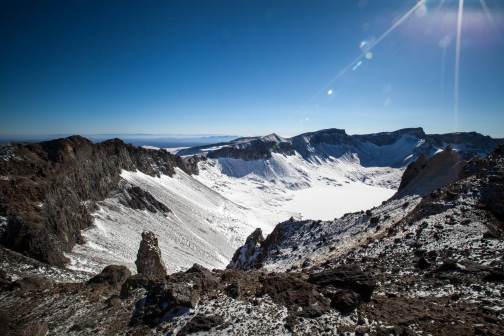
column 336, row 142
column 49, row 189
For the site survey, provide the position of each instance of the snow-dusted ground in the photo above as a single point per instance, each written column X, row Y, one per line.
column 212, row 213
column 203, row 227
column 290, row 185
column 174, row 150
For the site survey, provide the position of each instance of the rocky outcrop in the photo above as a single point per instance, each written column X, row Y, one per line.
column 246, row 257
column 139, row 199
column 257, row 248
column 164, row 298
column 348, row 277
column 492, row 194
column 413, row 170
column 49, row 189
column 149, row 261
column 428, row 174
column 298, row 296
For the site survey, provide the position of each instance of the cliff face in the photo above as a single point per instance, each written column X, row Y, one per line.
column 49, row 189
column 427, row 174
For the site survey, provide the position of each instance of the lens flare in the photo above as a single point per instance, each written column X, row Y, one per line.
column 367, row 46
column 460, row 17
column 487, row 13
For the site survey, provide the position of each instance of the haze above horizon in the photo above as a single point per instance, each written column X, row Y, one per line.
column 250, row 67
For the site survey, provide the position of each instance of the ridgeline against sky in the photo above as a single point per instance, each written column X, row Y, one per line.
column 250, row 67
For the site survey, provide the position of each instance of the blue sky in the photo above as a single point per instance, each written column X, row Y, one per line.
column 247, row 67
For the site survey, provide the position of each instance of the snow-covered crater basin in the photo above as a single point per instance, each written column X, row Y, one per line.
column 286, row 186
column 212, row 213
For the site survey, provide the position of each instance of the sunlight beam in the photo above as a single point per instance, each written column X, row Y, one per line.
column 362, row 55
column 487, row 13
column 460, row 17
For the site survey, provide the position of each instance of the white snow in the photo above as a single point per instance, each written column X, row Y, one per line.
column 327, row 202
column 174, row 150
column 203, row 227
column 150, row 147
column 289, row 185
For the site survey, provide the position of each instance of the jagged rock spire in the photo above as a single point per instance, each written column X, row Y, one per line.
column 246, row 255
column 149, row 262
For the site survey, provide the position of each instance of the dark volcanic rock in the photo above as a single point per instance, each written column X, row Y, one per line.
column 201, row 278
column 346, row 277
column 136, row 281
column 422, row 263
column 5, row 280
column 32, row 283
column 112, row 276
column 164, row 299
column 252, row 254
column 492, row 194
column 428, row 174
column 201, row 323
column 50, row 189
column 149, row 262
column 345, row 301
column 246, row 256
column 137, row 198
column 494, row 276
column 300, row 297
column 413, row 170
column 239, row 284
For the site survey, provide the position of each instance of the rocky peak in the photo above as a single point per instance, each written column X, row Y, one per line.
column 246, row 256
column 149, row 262
column 425, row 175
column 416, row 131
column 273, row 137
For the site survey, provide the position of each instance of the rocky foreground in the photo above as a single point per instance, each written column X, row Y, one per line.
column 151, row 302
column 430, row 265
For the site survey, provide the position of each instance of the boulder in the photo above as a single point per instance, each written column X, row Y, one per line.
column 422, row 263
column 149, row 262
column 32, row 283
column 301, row 298
column 494, row 275
column 134, row 282
column 201, row 323
column 345, row 301
column 112, row 276
column 348, row 277
column 202, row 278
column 5, row 280
column 168, row 299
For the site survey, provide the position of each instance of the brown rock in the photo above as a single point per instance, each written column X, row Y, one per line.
column 149, row 262
column 112, row 276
